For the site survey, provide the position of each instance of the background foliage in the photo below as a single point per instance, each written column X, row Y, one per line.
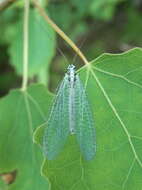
column 96, row 26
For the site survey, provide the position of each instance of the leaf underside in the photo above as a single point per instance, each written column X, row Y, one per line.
column 114, row 88
column 20, row 113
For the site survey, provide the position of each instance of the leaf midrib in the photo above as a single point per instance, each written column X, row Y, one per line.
column 114, row 109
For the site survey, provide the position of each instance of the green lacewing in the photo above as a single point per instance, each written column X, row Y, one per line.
column 70, row 114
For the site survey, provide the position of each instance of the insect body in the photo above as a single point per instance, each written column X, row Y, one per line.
column 70, row 114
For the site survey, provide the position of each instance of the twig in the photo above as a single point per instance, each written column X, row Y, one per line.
column 59, row 31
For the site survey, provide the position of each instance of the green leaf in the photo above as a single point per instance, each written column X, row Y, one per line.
column 41, row 45
column 132, row 29
column 81, row 6
column 20, row 113
column 114, row 88
column 66, row 15
column 103, row 9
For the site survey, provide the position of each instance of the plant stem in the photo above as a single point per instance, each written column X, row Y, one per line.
column 25, row 45
column 60, row 32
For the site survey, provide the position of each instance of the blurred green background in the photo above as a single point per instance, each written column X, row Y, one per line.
column 96, row 26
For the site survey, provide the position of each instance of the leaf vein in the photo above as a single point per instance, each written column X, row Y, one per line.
column 118, row 76
column 128, row 174
column 118, row 117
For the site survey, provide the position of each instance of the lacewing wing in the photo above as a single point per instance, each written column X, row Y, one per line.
column 70, row 114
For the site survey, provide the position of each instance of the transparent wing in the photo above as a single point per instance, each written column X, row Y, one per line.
column 57, row 129
column 84, row 122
